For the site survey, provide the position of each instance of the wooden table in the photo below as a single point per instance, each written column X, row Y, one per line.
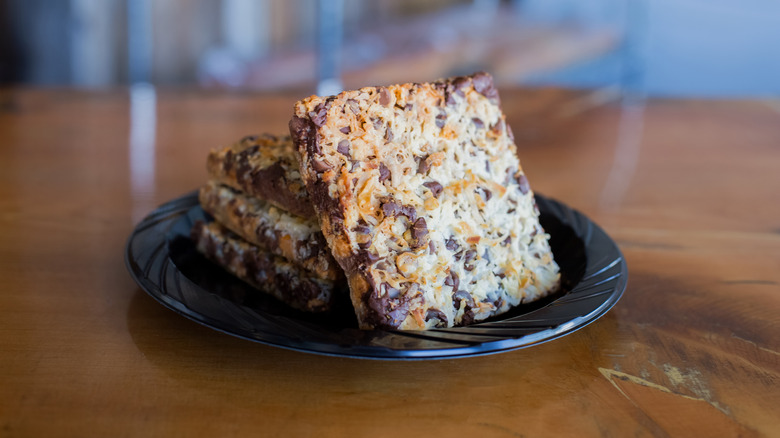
column 689, row 189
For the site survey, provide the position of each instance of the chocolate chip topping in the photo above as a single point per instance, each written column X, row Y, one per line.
column 478, row 123
column 498, row 128
column 461, row 295
column 320, row 114
column 271, row 177
column 343, row 147
column 424, row 166
column 303, row 130
column 419, row 231
column 487, row 194
column 452, row 280
column 468, row 258
column 389, row 308
column 392, row 209
column 228, row 166
column 455, row 87
column 450, row 100
column 522, row 181
column 441, row 119
column 458, row 84
column 354, row 106
column 467, row 318
column 434, row 187
column 363, row 236
column 451, row 244
column 320, row 166
column 384, row 97
column 384, row 172
column 248, row 152
column 436, row 314
column 345, row 130
column 483, row 84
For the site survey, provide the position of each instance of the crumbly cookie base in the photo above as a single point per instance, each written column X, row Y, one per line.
column 268, row 273
column 297, row 239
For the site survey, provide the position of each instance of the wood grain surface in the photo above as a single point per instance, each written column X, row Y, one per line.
column 689, row 189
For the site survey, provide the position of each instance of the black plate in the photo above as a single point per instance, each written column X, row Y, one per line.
column 164, row 262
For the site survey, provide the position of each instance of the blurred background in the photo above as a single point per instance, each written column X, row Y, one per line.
column 660, row 47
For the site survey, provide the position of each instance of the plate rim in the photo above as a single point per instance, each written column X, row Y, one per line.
column 171, row 211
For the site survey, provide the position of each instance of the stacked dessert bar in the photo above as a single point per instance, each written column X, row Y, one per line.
column 414, row 190
column 264, row 229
